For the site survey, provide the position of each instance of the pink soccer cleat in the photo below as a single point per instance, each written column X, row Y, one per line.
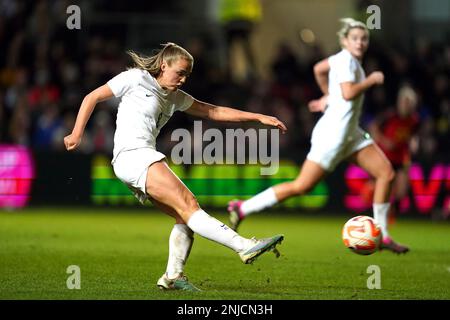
column 389, row 244
column 236, row 216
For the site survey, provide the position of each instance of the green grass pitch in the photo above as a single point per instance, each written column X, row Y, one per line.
column 122, row 253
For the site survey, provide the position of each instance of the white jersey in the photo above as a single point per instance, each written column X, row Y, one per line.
column 143, row 110
column 337, row 134
column 342, row 116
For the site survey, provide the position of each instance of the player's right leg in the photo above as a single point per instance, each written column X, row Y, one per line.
column 310, row 174
column 165, row 187
column 373, row 160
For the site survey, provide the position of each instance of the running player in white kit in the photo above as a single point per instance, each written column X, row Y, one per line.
column 337, row 135
column 150, row 95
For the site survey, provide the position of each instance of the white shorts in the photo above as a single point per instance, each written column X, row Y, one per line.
column 328, row 153
column 131, row 168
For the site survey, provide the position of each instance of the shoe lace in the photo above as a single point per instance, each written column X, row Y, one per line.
column 181, row 277
column 255, row 240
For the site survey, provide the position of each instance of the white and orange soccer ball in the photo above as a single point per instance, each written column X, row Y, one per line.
column 362, row 235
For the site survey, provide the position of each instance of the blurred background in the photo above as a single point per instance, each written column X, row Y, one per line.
column 255, row 55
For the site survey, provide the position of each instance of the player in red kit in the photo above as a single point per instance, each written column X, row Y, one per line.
column 395, row 133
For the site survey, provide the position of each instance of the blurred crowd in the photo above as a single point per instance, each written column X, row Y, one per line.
column 46, row 70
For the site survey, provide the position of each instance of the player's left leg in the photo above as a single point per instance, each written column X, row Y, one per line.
column 373, row 160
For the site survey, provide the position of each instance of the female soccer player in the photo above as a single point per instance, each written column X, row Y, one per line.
column 337, row 135
column 149, row 95
column 395, row 131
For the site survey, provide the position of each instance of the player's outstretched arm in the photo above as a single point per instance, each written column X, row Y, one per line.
column 219, row 113
column 73, row 140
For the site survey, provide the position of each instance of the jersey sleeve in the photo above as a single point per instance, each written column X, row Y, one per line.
column 122, row 83
column 183, row 101
column 345, row 67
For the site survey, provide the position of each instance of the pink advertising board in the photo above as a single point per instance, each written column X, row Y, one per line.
column 16, row 175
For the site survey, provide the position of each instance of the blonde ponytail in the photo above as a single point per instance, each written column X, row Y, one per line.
column 170, row 52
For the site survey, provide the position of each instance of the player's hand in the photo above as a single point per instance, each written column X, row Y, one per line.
column 71, row 142
column 377, row 77
column 318, row 105
column 274, row 122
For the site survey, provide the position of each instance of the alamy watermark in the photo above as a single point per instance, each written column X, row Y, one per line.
column 374, row 281
column 227, row 148
column 374, row 21
column 74, row 20
column 74, row 280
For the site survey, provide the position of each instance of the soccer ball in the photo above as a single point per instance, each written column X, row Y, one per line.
column 362, row 235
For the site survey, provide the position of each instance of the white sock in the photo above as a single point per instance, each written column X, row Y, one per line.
column 380, row 214
column 259, row 202
column 210, row 228
column 180, row 244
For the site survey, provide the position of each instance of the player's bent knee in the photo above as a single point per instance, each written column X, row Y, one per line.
column 391, row 174
column 388, row 173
